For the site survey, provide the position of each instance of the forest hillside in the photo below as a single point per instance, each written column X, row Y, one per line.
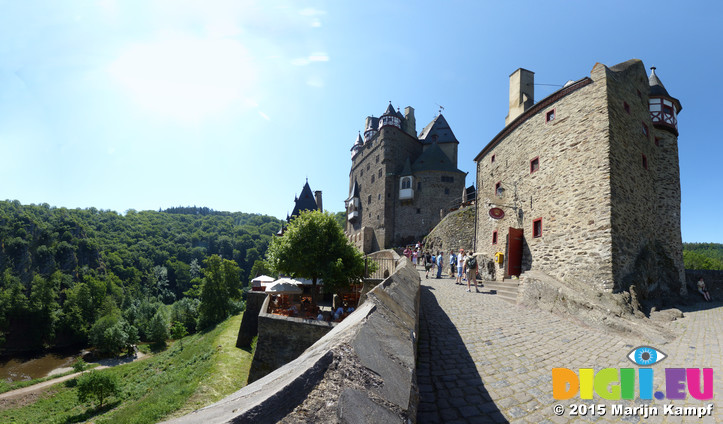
column 61, row 270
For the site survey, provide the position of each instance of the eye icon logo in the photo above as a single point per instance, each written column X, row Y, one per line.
column 645, row 356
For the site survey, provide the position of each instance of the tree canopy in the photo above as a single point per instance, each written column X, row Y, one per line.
column 62, row 270
column 314, row 247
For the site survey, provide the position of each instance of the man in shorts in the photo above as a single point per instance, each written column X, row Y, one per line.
column 460, row 266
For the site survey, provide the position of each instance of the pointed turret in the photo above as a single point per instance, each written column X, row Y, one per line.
column 390, row 117
column 353, row 203
column 358, row 144
column 664, row 108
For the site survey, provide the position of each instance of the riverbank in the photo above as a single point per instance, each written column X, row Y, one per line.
column 190, row 373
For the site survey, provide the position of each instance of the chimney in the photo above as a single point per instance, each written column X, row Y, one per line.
column 317, row 196
column 522, row 93
column 410, row 124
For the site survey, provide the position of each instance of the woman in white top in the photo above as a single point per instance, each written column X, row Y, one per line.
column 702, row 289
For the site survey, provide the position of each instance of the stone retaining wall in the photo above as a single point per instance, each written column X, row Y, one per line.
column 282, row 339
column 363, row 370
column 713, row 280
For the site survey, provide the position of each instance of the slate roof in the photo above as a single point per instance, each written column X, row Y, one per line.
column 434, row 159
column 658, row 89
column 358, row 143
column 354, row 191
column 439, row 128
column 305, row 201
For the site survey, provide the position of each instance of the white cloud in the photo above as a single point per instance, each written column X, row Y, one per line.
column 314, row 57
column 265, row 116
column 309, row 11
column 186, row 77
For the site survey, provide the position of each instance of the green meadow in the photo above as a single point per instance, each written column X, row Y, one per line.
column 190, row 373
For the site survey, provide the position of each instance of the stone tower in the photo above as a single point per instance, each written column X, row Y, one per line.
column 398, row 181
column 588, row 183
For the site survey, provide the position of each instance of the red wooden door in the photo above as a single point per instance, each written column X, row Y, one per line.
column 514, row 251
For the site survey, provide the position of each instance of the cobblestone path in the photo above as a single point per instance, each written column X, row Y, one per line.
column 483, row 360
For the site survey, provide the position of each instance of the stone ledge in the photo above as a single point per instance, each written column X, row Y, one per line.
column 364, row 367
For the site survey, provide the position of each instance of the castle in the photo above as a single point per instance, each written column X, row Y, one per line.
column 585, row 184
column 400, row 182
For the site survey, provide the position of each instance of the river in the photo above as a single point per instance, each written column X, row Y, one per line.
column 19, row 368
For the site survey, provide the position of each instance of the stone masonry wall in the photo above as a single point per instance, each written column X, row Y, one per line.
column 415, row 219
column 455, row 231
column 569, row 192
column 376, row 168
column 283, row 339
column 644, row 179
column 361, row 371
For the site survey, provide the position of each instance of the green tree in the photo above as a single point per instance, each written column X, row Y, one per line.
column 221, row 286
column 315, row 247
column 97, row 385
column 158, row 328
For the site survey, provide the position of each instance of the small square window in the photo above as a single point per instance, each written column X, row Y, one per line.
column 626, row 106
column 419, row 185
column 377, row 159
column 446, row 191
column 367, row 167
column 372, row 178
column 494, row 237
column 380, row 172
column 369, row 199
column 534, row 164
column 498, row 189
column 492, row 160
column 419, row 210
column 537, row 228
column 379, row 196
column 550, row 116
column 645, row 162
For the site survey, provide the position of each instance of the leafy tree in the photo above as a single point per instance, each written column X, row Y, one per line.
column 112, row 334
column 178, row 330
column 315, row 247
column 158, row 328
column 97, row 385
column 221, row 286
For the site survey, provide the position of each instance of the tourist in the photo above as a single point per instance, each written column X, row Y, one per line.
column 452, row 263
column 339, row 312
column 415, row 255
column 427, row 263
column 408, row 252
column 460, row 266
column 702, row 289
column 471, row 265
column 440, row 262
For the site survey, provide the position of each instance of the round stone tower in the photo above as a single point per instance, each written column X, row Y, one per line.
column 664, row 110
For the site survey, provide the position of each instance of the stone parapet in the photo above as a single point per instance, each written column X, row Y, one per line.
column 363, row 370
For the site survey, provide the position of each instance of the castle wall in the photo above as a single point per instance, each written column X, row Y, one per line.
column 645, row 185
column 415, row 218
column 377, row 168
column 569, row 192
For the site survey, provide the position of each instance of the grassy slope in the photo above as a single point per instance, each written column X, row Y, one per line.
column 193, row 372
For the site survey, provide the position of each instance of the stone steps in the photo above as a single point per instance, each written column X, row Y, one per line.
column 507, row 290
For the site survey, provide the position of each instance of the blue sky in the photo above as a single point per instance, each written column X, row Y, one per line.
column 233, row 104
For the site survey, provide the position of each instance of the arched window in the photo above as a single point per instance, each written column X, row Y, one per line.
column 406, row 182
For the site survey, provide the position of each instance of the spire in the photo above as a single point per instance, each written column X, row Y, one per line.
column 390, row 110
column 656, row 87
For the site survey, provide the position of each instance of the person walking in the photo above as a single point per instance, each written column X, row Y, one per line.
column 452, row 263
column 472, row 266
column 440, row 264
column 427, row 263
column 460, row 266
